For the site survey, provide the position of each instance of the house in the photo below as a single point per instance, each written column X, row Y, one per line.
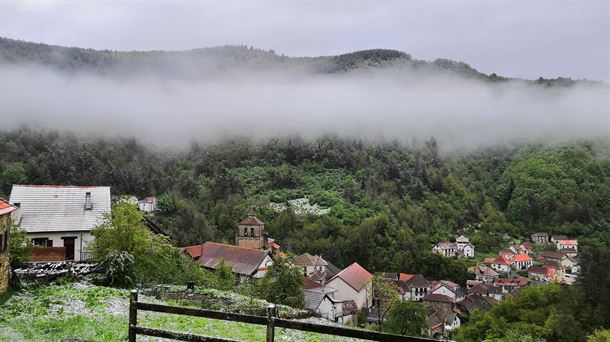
column 567, row 245
column 527, row 248
column 487, row 291
column 522, row 262
column 5, row 227
column 509, row 285
column 448, row 289
column 476, row 302
column 468, row 250
column 461, row 241
column 148, row 204
column 59, row 219
column 540, row 238
column 556, row 238
column 484, row 274
column 415, row 286
column 447, row 249
column 244, row 262
column 310, row 264
column 319, row 299
column 439, row 322
column 353, row 283
column 542, row 273
column 552, row 256
column 569, row 252
column 501, row 264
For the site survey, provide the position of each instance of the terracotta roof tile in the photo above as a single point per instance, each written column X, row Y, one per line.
column 355, row 276
column 6, row 208
column 244, row 261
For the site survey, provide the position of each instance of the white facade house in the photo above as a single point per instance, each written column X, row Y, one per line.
column 148, row 204
column 61, row 216
column 447, row 249
column 468, row 250
column 501, row 264
column 353, row 283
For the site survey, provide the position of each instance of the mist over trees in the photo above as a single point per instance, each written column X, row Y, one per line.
column 389, row 202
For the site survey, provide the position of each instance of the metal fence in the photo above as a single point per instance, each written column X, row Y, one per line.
column 271, row 321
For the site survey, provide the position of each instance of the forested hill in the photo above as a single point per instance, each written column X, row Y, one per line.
column 215, row 61
column 389, row 202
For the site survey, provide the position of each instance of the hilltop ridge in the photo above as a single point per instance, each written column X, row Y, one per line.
column 215, row 61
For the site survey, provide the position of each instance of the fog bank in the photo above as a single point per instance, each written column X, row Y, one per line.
column 459, row 113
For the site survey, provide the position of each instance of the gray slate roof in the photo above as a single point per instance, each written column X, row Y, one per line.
column 50, row 208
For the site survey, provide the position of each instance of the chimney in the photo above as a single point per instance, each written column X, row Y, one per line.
column 88, row 204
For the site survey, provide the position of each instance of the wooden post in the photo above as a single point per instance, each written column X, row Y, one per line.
column 133, row 315
column 270, row 323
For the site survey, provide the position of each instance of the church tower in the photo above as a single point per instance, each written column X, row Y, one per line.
column 251, row 233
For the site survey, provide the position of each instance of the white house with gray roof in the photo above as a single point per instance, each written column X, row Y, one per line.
column 60, row 216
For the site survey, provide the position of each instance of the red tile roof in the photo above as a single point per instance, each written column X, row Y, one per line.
column 244, row 261
column 6, row 208
column 568, row 242
column 193, row 251
column 252, row 221
column 433, row 297
column 310, row 284
column 404, row 276
column 518, row 281
column 488, row 260
column 500, row 260
column 355, row 276
column 522, row 257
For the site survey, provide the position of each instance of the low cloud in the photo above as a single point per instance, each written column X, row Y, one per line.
column 373, row 105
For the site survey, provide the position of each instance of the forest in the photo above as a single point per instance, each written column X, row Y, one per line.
column 389, row 204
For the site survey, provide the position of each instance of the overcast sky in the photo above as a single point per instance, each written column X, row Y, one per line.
column 513, row 38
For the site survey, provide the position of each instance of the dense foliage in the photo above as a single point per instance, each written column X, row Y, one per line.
column 389, row 202
column 132, row 254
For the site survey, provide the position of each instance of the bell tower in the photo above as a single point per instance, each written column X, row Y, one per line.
column 251, row 232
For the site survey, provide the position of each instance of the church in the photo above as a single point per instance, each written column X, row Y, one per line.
column 251, row 255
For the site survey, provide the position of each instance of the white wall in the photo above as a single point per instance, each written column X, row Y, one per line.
column 346, row 292
column 59, row 242
column 443, row 290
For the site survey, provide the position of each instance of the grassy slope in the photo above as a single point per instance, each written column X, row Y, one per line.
column 94, row 313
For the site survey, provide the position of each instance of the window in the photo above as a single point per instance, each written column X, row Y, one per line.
column 3, row 242
column 245, row 231
column 42, row 242
column 252, row 231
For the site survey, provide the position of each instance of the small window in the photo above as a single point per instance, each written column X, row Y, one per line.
column 42, row 242
column 252, row 231
column 245, row 231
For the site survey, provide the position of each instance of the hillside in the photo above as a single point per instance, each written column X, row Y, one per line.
column 209, row 62
column 389, row 203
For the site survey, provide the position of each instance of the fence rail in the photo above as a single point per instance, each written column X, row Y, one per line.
column 271, row 321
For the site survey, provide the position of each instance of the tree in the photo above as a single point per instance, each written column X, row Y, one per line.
column 283, row 284
column 14, row 173
column 20, row 246
column 385, row 293
column 599, row 336
column 407, row 317
column 223, row 277
column 155, row 260
column 119, row 269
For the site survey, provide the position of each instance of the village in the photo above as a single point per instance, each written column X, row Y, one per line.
column 59, row 220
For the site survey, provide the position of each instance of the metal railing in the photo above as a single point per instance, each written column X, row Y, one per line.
column 271, row 321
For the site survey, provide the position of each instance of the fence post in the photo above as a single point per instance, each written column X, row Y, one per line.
column 133, row 315
column 270, row 323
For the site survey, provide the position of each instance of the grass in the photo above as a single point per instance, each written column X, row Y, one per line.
column 95, row 313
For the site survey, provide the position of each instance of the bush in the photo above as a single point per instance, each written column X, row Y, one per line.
column 119, row 269
column 155, row 260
